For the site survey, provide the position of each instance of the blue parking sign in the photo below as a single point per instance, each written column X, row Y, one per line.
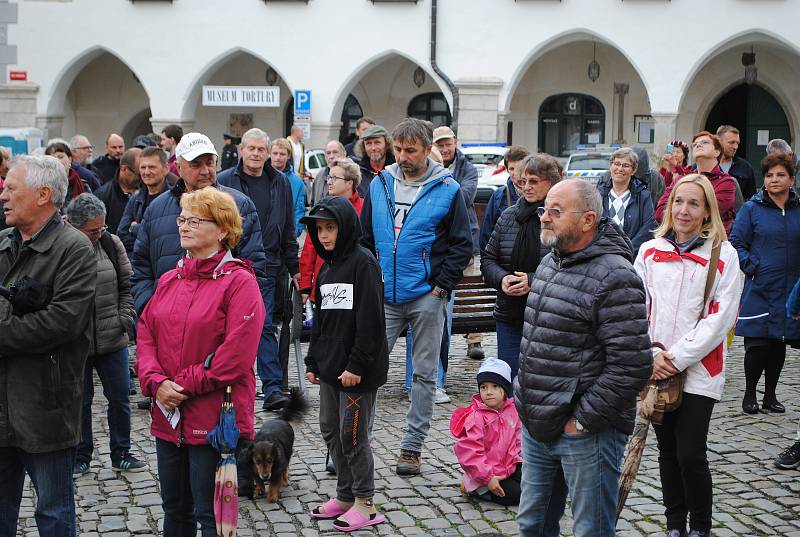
column 302, row 102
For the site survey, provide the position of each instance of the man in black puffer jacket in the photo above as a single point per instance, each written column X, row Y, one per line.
column 585, row 354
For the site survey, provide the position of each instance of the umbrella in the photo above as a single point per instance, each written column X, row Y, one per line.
column 224, row 438
column 630, row 466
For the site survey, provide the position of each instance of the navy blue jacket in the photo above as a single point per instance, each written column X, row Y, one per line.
column 640, row 219
column 494, row 208
column 744, row 175
column 115, row 200
column 158, row 245
column 278, row 233
column 87, row 176
column 766, row 239
column 434, row 245
column 134, row 212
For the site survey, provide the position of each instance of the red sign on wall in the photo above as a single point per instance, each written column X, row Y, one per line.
column 18, row 75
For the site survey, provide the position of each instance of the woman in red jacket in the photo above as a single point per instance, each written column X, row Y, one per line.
column 199, row 334
column 343, row 179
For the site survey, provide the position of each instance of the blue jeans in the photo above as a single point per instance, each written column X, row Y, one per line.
column 591, row 466
column 509, row 337
column 268, row 365
column 186, row 474
column 112, row 368
column 51, row 474
column 445, row 349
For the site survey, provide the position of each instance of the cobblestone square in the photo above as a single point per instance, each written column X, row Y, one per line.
column 751, row 498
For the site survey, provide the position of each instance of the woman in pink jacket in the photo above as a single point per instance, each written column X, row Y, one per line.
column 488, row 437
column 199, row 334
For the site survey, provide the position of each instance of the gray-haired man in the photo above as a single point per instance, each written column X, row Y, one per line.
column 45, row 340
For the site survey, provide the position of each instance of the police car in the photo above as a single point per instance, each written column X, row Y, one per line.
column 590, row 163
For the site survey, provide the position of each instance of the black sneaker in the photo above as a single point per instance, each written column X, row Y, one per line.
column 698, row 533
column 408, row 463
column 80, row 469
column 790, row 458
column 276, row 401
column 126, row 462
column 144, row 404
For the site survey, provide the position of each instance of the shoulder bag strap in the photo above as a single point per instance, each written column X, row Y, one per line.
column 713, row 263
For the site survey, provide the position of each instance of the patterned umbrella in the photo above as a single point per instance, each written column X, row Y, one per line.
column 224, row 438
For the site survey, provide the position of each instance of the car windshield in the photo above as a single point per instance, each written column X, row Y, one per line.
column 485, row 159
column 589, row 162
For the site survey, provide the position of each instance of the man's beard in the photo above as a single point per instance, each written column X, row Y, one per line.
column 376, row 157
column 559, row 242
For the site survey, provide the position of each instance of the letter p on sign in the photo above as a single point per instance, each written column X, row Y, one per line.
column 302, row 102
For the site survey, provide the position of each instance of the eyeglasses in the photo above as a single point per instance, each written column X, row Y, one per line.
column 334, row 178
column 97, row 231
column 193, row 222
column 83, row 147
column 700, row 143
column 554, row 213
column 623, row 165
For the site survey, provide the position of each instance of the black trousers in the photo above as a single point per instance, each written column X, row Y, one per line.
column 682, row 461
column 511, row 486
column 767, row 356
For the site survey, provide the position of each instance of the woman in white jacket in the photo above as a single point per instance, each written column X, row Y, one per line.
column 673, row 267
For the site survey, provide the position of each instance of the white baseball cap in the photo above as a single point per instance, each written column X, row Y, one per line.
column 194, row 144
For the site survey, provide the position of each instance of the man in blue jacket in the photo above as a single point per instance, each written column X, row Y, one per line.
column 271, row 193
column 415, row 220
column 158, row 247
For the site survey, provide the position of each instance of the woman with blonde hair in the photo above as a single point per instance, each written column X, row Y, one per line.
column 197, row 336
column 692, row 328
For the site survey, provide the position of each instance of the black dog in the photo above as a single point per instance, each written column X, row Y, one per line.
column 266, row 459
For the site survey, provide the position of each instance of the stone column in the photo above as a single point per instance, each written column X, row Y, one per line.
column 503, row 119
column 478, row 110
column 159, row 124
column 51, row 126
column 323, row 132
column 18, row 104
column 621, row 90
column 665, row 130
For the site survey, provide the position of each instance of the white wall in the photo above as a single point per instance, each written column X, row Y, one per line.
column 329, row 45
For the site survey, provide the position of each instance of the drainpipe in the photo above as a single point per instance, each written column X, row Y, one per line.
column 438, row 71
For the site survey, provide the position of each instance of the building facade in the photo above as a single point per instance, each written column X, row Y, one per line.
column 547, row 74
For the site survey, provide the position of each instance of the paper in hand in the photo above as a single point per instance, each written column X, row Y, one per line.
column 173, row 416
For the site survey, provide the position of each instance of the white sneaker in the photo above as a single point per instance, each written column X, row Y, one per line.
column 441, row 396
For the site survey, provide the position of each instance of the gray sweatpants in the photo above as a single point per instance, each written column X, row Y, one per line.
column 426, row 315
column 344, row 422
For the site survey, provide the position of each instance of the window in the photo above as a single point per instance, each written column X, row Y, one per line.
column 570, row 119
column 432, row 107
column 350, row 115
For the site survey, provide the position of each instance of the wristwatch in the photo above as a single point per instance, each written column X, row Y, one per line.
column 438, row 291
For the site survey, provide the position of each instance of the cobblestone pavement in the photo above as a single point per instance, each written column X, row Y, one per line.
column 750, row 496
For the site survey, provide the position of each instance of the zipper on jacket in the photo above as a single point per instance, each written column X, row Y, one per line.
column 424, row 256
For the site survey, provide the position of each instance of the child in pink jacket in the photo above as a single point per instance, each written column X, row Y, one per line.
column 488, row 437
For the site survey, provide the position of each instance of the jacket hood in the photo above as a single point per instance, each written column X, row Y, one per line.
column 434, row 172
column 349, row 234
column 458, row 420
column 610, row 239
column 762, row 197
column 216, row 266
column 644, row 162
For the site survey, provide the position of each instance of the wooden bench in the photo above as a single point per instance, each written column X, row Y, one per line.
column 472, row 311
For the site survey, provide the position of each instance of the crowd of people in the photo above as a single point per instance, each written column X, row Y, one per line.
column 600, row 290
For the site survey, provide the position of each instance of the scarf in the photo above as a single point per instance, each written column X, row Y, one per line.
column 75, row 184
column 525, row 254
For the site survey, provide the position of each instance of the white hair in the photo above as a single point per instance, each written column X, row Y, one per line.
column 76, row 140
column 255, row 134
column 44, row 171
